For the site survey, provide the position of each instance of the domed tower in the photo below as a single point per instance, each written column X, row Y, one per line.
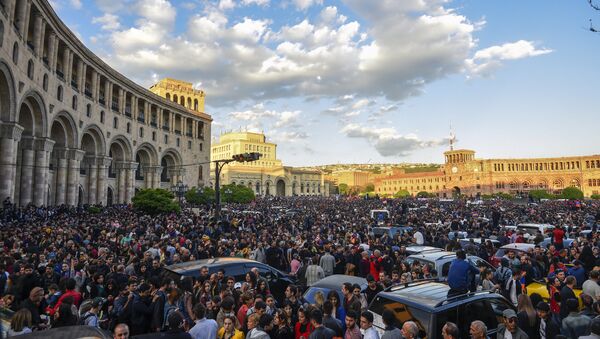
column 462, row 170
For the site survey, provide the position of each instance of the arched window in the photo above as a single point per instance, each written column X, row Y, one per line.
column 195, row 104
column 74, row 104
column 102, row 117
column 1, row 33
column 128, row 127
column 15, row 53
column 168, row 96
column 88, row 110
column 30, row 69
column 115, row 122
column 59, row 93
column 45, row 83
column 141, row 132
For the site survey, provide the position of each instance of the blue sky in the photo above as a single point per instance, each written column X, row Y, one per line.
column 362, row 80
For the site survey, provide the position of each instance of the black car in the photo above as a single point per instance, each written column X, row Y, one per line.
column 235, row 267
column 426, row 303
column 333, row 282
column 69, row 332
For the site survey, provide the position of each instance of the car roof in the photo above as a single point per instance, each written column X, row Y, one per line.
column 67, row 332
column 335, row 282
column 432, row 255
column 197, row 264
column 534, row 225
column 518, row 246
column 478, row 240
column 420, row 249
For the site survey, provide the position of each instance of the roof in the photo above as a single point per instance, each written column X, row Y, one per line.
column 419, row 249
column 68, row 332
column 433, row 255
column 336, row 281
column 518, row 246
column 426, row 293
column 197, row 264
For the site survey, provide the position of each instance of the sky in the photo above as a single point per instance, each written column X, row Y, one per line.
column 368, row 81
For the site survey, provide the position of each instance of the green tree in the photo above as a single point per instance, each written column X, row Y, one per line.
column 200, row 196
column 402, row 194
column 504, row 196
column 369, row 188
column 354, row 191
column 155, row 201
column 343, row 189
column 595, row 196
column 572, row 193
column 237, row 194
column 423, row 194
column 540, row 194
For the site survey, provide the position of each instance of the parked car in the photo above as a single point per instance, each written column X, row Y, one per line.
column 421, row 249
column 379, row 231
column 427, row 304
column 235, row 267
column 441, row 260
column 69, row 332
column 333, row 282
column 533, row 229
column 518, row 248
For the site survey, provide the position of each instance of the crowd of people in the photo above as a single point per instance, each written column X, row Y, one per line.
column 62, row 266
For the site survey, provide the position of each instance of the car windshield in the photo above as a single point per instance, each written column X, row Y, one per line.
column 403, row 313
column 312, row 292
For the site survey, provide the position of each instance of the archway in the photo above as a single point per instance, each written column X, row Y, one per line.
column 94, row 146
column 109, row 196
column 171, row 167
column 267, row 189
column 146, row 157
column 121, row 153
column 456, row 191
column 280, row 188
column 80, row 196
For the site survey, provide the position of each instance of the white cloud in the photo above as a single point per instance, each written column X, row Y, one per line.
column 255, row 2
column 287, row 118
column 362, row 103
column 109, row 22
column 305, row 4
column 76, row 4
column 387, row 141
column 487, row 60
column 226, row 4
column 157, row 11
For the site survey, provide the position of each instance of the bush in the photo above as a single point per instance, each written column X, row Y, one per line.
column 595, row 196
column 237, row 194
column 572, row 193
column 343, row 189
column 402, row 194
column 94, row 210
column 200, row 196
column 155, row 201
column 424, row 194
column 504, row 196
column 540, row 194
column 369, row 188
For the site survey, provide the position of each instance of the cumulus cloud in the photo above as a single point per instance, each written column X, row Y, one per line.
column 76, row 4
column 108, row 22
column 305, row 4
column 387, row 141
column 487, row 60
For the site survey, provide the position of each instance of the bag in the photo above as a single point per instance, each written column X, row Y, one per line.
column 168, row 310
column 83, row 319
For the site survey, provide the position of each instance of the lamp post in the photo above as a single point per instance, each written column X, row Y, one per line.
column 179, row 189
column 219, row 164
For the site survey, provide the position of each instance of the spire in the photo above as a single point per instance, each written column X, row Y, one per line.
column 452, row 138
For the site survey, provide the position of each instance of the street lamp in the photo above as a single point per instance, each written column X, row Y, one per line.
column 179, row 190
column 244, row 157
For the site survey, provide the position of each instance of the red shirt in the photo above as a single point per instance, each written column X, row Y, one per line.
column 70, row 293
column 558, row 235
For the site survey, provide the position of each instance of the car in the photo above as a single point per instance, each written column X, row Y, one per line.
column 379, row 231
column 235, row 267
column 427, row 304
column 477, row 241
column 333, row 283
column 540, row 288
column 548, row 241
column 441, row 260
column 533, row 229
column 420, row 249
column 518, row 248
column 69, row 332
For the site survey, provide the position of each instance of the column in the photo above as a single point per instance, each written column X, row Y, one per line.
column 74, row 162
column 37, row 33
column 157, row 170
column 26, row 17
column 95, row 85
column 102, row 164
column 121, row 101
column 107, row 92
column 27, row 163
column 61, row 176
column 43, row 149
column 71, row 58
column 55, row 56
column 42, row 38
column 66, row 64
column 130, row 180
column 10, row 135
column 121, row 182
column 10, row 9
column 81, row 69
column 172, row 122
column 51, row 51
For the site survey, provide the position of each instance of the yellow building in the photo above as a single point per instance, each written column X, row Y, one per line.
column 180, row 92
column 266, row 176
column 351, row 178
column 462, row 173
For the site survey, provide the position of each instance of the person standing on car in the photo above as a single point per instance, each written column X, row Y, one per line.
column 509, row 328
column 314, row 273
column 459, row 273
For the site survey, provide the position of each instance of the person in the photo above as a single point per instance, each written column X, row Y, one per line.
column 366, row 324
column 390, row 331
column 35, row 305
column 450, row 331
column 64, row 316
column 459, row 273
column 320, row 331
column 281, row 329
column 410, row 330
column 329, row 321
column 327, row 262
column 591, row 287
column 509, row 328
column 372, row 289
column 478, row 330
column 578, row 272
column 226, row 309
column 526, row 316
column 513, row 288
column 90, row 318
column 351, row 303
column 546, row 327
column 121, row 331
column 228, row 331
column 313, row 273
column 594, row 330
column 141, row 310
column 574, row 324
column 203, row 328
column 352, row 329
column 260, row 325
column 567, row 293
column 303, row 327
column 557, row 236
column 20, row 323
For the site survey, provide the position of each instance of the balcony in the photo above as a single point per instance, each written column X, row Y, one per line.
column 115, row 106
column 74, row 85
column 45, row 61
column 30, row 45
column 178, row 132
column 141, row 119
column 165, row 127
column 101, row 101
column 128, row 111
column 60, row 74
column 88, row 92
column 189, row 134
column 153, row 124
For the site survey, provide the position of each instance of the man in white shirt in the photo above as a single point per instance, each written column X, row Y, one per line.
column 590, row 286
column 204, row 328
column 366, row 323
column 418, row 237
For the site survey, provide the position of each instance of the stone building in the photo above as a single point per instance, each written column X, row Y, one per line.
column 267, row 176
column 74, row 131
column 462, row 173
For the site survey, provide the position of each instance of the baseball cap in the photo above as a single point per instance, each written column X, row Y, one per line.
column 509, row 313
column 237, row 285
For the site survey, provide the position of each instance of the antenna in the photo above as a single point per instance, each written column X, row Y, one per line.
column 452, row 138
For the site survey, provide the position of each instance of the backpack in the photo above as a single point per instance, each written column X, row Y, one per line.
column 167, row 311
column 83, row 319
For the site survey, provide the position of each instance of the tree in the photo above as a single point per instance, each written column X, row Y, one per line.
column 237, row 194
column 572, row 193
column 369, row 188
column 200, row 196
column 402, row 194
column 540, row 194
column 344, row 189
column 423, row 194
column 155, row 201
column 595, row 196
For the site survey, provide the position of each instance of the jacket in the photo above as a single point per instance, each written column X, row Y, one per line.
column 519, row 333
column 458, row 275
column 257, row 333
column 552, row 328
column 575, row 325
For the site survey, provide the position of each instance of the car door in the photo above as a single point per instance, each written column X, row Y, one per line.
column 479, row 309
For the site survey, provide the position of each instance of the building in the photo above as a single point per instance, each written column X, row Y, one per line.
column 180, row 92
column 267, row 176
column 352, row 178
column 75, row 131
column 462, row 173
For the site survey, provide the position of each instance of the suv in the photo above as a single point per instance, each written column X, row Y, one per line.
column 426, row 303
column 441, row 260
column 235, row 267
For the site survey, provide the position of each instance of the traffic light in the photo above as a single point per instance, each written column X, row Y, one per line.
column 254, row 156
column 246, row 157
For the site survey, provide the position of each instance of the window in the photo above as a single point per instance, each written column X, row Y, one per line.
column 102, row 117
column 200, row 147
column 166, row 139
column 153, row 136
column 115, row 122
column 45, row 83
column 88, row 110
column 128, row 127
column 15, row 54
column 59, row 93
column 30, row 69
column 403, row 313
column 74, row 103
column 189, row 144
column 177, row 142
column 141, row 132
